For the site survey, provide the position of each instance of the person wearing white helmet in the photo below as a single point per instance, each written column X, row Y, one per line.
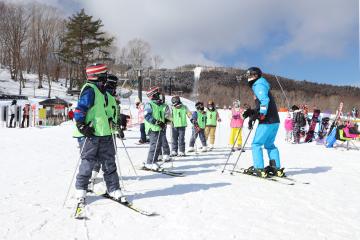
column 236, row 124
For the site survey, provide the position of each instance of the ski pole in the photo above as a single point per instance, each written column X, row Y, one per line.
column 232, row 171
column 127, row 153
column 194, row 136
column 218, row 135
column 287, row 101
column 73, row 176
column 156, row 145
column 117, row 161
column 227, row 160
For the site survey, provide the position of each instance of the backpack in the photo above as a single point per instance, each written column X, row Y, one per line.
column 300, row 119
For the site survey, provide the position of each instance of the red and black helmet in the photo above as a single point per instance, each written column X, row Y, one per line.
column 95, row 70
column 153, row 93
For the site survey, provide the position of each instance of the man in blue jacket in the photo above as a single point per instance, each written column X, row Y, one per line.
column 267, row 114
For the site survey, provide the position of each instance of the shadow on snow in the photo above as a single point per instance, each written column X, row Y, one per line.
column 315, row 170
column 179, row 189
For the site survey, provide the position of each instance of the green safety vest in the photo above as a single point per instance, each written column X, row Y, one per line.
column 112, row 110
column 179, row 116
column 158, row 113
column 96, row 115
column 211, row 118
column 201, row 119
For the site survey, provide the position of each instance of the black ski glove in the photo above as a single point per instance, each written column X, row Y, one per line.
column 85, row 129
column 253, row 117
column 161, row 124
column 251, row 123
column 248, row 113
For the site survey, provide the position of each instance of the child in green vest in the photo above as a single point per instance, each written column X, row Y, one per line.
column 154, row 114
column 198, row 119
column 112, row 111
column 92, row 125
column 212, row 117
column 180, row 113
column 165, row 148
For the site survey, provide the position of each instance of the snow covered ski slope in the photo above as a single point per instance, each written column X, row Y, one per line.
column 37, row 166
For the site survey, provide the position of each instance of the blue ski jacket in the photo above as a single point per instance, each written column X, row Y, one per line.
column 86, row 101
column 265, row 103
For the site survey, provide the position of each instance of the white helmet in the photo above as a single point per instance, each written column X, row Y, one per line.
column 236, row 103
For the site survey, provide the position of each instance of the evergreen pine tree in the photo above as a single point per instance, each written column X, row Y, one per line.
column 84, row 42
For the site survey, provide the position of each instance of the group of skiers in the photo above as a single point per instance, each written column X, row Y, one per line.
column 97, row 111
column 157, row 115
column 302, row 124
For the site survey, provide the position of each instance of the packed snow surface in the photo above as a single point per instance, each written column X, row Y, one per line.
column 37, row 165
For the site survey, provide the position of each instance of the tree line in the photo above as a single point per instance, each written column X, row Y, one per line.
column 38, row 38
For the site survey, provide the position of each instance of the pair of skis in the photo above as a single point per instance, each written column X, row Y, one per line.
column 164, row 171
column 80, row 212
column 281, row 180
column 80, row 207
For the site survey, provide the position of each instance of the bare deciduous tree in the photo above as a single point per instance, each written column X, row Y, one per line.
column 157, row 61
column 138, row 53
column 14, row 28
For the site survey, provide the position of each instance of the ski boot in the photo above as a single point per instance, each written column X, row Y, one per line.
column 118, row 196
column 261, row 173
column 204, row 149
column 173, row 154
column 167, row 158
column 272, row 170
column 152, row 167
column 258, row 172
column 191, row 149
column 181, row 154
column 280, row 172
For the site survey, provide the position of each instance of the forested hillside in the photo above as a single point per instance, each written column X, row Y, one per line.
column 222, row 86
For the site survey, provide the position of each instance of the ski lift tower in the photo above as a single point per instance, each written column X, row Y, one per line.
column 238, row 79
column 139, row 71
